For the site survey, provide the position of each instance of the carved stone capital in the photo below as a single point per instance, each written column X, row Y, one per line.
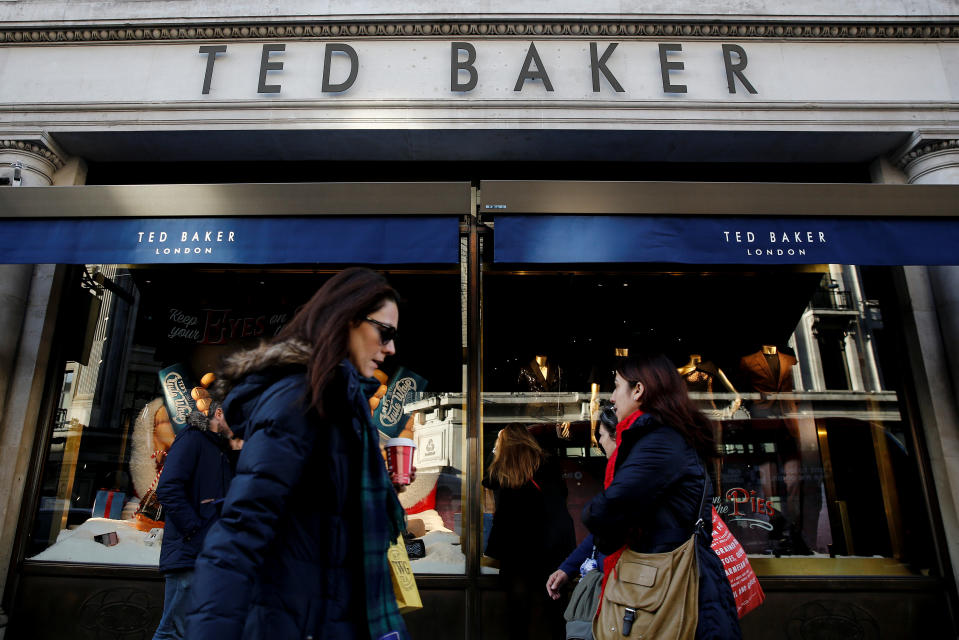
column 37, row 157
column 38, row 148
column 926, row 147
column 931, row 160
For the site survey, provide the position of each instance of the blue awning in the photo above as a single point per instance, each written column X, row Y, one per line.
column 236, row 240
column 726, row 240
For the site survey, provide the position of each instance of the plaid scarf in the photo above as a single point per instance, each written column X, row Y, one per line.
column 383, row 520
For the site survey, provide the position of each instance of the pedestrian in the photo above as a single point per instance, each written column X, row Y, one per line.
column 301, row 545
column 195, row 478
column 586, row 557
column 532, row 530
column 655, row 483
column 586, row 561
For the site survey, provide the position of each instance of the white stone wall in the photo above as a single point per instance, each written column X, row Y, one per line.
column 406, row 84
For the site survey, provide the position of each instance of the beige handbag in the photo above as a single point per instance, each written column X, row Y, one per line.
column 653, row 595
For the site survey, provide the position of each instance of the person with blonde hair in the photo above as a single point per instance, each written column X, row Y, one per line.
column 532, row 531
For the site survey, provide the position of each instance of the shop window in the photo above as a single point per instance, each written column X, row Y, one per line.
column 819, row 473
column 115, row 420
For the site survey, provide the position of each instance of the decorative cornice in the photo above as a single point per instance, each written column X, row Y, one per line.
column 517, row 29
column 36, row 147
column 924, row 148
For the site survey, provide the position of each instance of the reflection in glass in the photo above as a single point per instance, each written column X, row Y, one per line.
column 139, row 342
column 818, row 474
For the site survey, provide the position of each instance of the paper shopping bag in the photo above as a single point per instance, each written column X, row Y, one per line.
column 746, row 588
column 404, row 583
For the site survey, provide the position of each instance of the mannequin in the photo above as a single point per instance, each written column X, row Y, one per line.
column 699, row 376
column 767, row 371
column 543, row 367
column 539, row 375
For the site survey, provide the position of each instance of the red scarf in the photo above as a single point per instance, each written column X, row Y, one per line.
column 620, row 428
column 610, row 562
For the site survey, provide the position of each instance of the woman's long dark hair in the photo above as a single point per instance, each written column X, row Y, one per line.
column 324, row 322
column 666, row 398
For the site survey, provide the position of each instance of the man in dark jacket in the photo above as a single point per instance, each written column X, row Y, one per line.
column 196, row 475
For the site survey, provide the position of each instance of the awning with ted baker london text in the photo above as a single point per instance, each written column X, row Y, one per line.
column 232, row 240
column 748, row 240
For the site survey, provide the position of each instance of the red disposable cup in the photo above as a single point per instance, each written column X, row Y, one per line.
column 399, row 459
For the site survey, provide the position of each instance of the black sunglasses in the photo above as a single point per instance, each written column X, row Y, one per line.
column 387, row 331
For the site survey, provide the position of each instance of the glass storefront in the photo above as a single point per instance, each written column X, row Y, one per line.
column 800, row 363
column 135, row 327
column 796, row 366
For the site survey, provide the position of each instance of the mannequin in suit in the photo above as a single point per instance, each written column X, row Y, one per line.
column 769, row 370
column 539, row 375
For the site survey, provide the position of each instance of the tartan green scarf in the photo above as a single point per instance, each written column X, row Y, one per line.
column 383, row 520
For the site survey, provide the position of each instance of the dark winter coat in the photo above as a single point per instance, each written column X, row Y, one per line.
column 195, row 478
column 586, row 549
column 651, row 506
column 532, row 530
column 285, row 559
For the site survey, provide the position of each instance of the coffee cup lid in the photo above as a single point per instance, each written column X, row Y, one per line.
column 400, row 442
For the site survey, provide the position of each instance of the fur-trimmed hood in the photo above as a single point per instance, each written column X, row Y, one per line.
column 267, row 355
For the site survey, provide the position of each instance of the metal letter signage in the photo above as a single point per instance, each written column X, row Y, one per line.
column 394, row 71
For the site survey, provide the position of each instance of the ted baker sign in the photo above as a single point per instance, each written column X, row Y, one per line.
column 339, row 67
column 775, row 243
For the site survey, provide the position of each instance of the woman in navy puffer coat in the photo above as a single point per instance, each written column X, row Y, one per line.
column 300, row 548
column 654, row 483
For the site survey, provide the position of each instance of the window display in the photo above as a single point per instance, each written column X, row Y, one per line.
column 798, row 367
column 147, row 356
column 817, row 455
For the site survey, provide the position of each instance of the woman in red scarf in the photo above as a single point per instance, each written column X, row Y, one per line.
column 654, row 483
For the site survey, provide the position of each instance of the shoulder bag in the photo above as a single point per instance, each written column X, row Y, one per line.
column 653, row 595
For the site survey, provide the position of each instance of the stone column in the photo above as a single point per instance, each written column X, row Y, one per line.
column 933, row 296
column 936, row 161
column 932, row 161
column 26, row 160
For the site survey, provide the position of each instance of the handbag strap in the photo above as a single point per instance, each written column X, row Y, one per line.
column 698, row 526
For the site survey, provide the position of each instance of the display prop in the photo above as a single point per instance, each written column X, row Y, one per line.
column 746, row 588
column 404, row 582
column 109, row 504
column 415, row 549
column 154, row 536
column 108, row 539
column 388, row 416
column 176, row 382
column 149, row 515
column 399, row 459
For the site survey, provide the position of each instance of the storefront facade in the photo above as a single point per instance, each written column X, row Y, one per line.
column 770, row 199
